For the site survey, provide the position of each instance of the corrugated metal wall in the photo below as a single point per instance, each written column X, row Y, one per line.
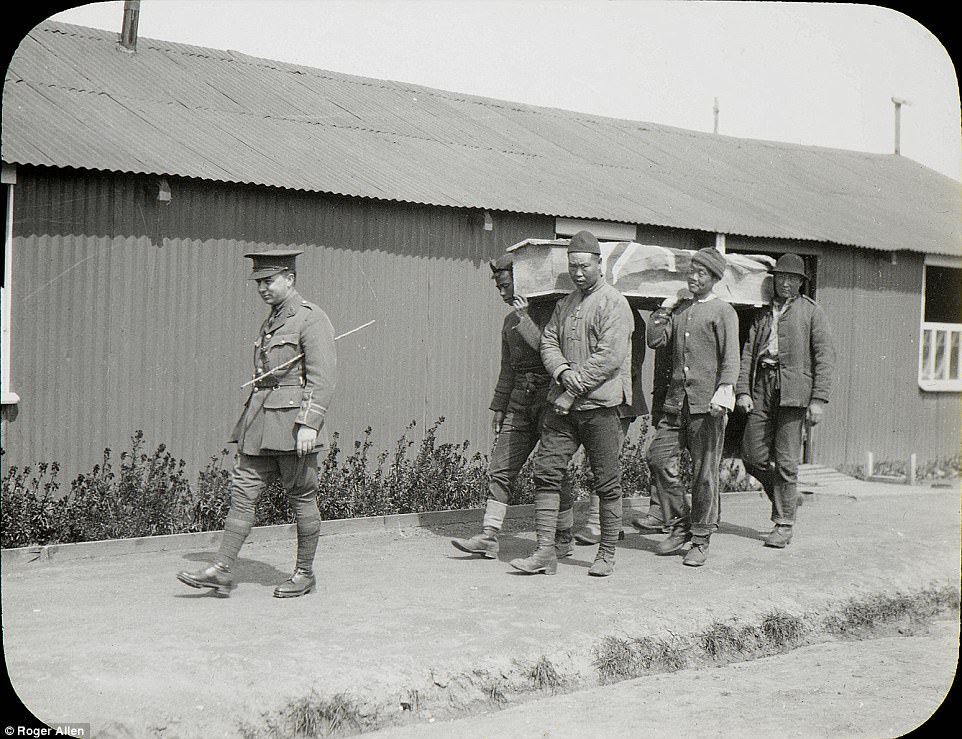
column 129, row 313
column 875, row 309
column 133, row 314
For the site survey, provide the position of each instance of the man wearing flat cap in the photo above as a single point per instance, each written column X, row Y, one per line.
column 281, row 428
column 701, row 335
column 585, row 348
column 787, row 373
column 519, row 403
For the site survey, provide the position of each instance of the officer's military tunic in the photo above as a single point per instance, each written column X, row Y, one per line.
column 298, row 394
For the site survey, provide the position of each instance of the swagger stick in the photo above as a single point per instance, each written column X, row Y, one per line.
column 301, row 356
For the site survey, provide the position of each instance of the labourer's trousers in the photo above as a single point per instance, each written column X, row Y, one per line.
column 772, row 445
column 703, row 435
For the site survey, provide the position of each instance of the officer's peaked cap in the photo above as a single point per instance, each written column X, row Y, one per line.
column 268, row 263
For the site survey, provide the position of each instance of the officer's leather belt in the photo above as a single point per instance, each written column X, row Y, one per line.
column 271, row 385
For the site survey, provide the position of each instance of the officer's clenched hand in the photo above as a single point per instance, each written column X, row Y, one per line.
column 497, row 422
column 306, row 436
column 744, row 403
column 814, row 413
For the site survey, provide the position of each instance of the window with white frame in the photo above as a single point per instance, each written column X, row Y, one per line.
column 940, row 341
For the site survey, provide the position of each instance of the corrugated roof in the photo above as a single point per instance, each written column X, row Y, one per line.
column 73, row 98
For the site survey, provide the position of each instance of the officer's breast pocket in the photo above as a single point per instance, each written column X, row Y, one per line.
column 282, row 348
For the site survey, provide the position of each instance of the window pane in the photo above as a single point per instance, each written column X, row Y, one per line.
column 954, row 357
column 940, row 364
column 943, row 295
column 924, row 372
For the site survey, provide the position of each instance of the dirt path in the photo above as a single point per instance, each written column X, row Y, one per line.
column 118, row 642
column 854, row 689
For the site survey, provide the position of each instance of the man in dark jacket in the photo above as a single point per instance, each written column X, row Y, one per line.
column 281, row 428
column 787, row 372
column 701, row 334
column 519, row 404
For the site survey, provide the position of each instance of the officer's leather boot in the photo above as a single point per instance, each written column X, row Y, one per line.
column 217, row 576
column 301, row 582
column 545, row 558
column 485, row 543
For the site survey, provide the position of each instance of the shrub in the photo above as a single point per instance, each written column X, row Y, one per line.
column 149, row 494
column 28, row 509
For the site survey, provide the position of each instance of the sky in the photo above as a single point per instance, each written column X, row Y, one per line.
column 822, row 74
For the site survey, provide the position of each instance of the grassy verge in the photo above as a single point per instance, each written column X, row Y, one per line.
column 610, row 660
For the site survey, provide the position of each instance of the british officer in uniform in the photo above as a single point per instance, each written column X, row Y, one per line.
column 281, row 428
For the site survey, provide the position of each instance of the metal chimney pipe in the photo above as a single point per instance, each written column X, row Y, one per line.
column 128, row 33
column 899, row 102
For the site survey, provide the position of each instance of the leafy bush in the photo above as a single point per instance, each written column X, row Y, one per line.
column 28, row 510
column 149, row 494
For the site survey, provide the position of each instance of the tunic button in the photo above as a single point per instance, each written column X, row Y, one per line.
column 686, row 369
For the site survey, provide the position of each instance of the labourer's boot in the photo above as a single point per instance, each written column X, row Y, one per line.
column 545, row 558
column 603, row 565
column 590, row 533
column 610, row 517
column 301, row 582
column 485, row 543
column 673, row 542
column 648, row 524
column 698, row 554
column 217, row 576
column 780, row 538
column 564, row 546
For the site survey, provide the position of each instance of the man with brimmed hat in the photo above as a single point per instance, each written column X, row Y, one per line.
column 701, row 335
column 585, row 349
column 281, row 428
column 519, row 403
column 787, row 373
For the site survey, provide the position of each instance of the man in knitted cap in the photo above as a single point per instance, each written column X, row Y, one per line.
column 281, row 428
column 585, row 348
column 787, row 373
column 519, row 404
column 701, row 333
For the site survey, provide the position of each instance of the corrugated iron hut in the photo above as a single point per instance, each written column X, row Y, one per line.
column 135, row 180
